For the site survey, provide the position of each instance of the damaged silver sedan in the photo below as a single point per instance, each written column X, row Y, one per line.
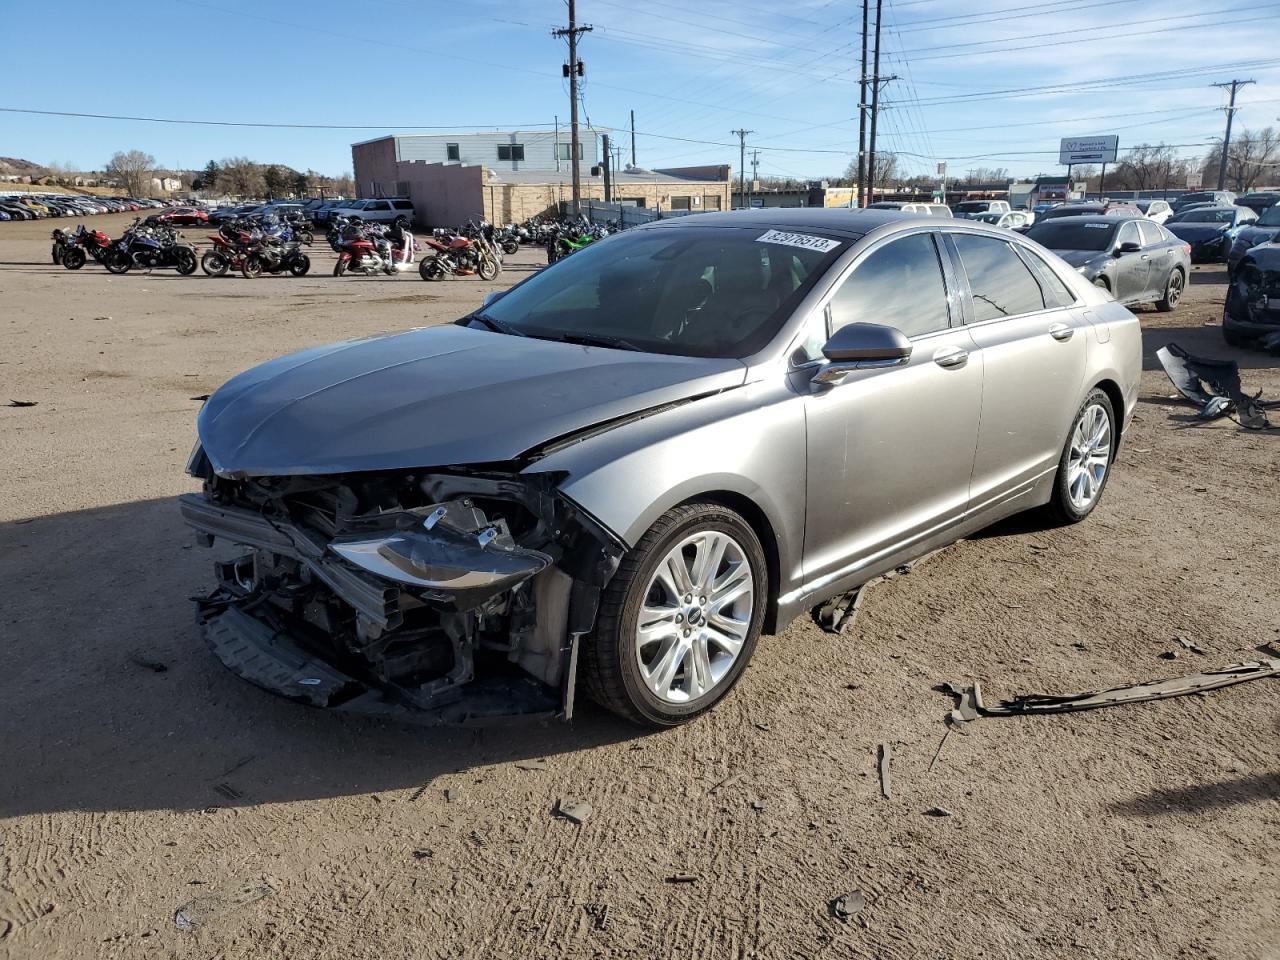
column 625, row 469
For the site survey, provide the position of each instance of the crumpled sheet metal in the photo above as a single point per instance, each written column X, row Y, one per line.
column 1191, row 375
column 970, row 704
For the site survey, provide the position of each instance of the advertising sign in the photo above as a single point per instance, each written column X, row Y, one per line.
column 1088, row 149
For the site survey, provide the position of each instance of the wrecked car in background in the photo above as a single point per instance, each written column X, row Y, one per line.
column 633, row 463
column 1252, row 310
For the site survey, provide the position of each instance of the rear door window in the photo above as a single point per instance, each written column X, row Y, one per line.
column 1150, row 233
column 1056, row 291
column 899, row 285
column 1001, row 284
column 402, row 204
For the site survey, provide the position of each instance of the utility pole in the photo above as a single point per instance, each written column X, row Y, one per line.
column 608, row 162
column 755, row 169
column 1231, row 109
column 742, row 164
column 573, row 70
column 876, row 81
column 862, row 110
column 633, row 138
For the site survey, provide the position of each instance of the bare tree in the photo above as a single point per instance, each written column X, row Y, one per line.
column 1254, row 156
column 344, row 184
column 1146, row 167
column 241, row 176
column 886, row 170
column 133, row 170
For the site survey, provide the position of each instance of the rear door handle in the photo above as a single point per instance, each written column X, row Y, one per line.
column 950, row 357
column 1061, row 331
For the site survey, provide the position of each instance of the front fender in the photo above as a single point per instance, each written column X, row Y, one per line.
column 748, row 442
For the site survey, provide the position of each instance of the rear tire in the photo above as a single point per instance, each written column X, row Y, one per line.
column 340, row 267
column 620, row 675
column 300, row 265
column 1087, row 457
column 1173, row 287
column 117, row 262
column 251, row 266
column 430, row 269
column 57, row 254
column 186, row 258
column 214, row 264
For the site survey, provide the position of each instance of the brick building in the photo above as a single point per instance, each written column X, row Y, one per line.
column 516, row 184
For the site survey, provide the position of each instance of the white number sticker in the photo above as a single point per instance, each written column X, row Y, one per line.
column 805, row 240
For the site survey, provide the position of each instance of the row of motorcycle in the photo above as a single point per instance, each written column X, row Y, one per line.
column 276, row 246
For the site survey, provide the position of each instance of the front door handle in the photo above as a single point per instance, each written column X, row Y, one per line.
column 1061, row 331
column 950, row 357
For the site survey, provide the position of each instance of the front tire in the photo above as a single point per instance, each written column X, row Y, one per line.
column 117, row 262
column 1085, row 465
column 487, row 269
column 1173, row 288
column 214, row 264
column 299, row 265
column 73, row 259
column 680, row 619
column 251, row 266
column 186, row 261
column 340, row 267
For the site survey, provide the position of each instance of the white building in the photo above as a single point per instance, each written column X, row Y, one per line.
column 511, row 151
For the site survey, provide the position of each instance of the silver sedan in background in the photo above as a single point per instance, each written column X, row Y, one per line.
column 627, row 468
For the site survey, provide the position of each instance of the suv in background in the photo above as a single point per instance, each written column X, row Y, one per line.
column 1105, row 208
column 970, row 208
column 1157, row 210
column 1257, row 202
column 376, row 210
column 1223, row 198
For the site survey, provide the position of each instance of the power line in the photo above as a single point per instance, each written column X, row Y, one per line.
column 277, row 126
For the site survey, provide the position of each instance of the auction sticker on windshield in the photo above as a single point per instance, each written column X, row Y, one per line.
column 805, row 240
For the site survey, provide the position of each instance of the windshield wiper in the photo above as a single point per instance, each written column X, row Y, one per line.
column 497, row 326
column 600, row 340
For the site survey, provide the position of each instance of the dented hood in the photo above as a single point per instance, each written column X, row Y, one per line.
column 434, row 397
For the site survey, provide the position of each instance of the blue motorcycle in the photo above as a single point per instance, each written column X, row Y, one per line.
column 148, row 248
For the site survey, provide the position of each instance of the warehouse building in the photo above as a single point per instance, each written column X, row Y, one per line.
column 512, row 176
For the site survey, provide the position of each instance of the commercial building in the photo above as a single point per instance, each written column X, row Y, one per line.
column 511, row 176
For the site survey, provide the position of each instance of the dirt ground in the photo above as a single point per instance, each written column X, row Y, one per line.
column 137, row 775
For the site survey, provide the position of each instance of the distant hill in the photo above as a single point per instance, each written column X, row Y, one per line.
column 13, row 166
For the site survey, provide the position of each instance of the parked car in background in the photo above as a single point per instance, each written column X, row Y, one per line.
column 181, row 216
column 1263, row 230
column 1041, row 208
column 1136, row 260
column 379, row 210
column 1157, row 210
column 1103, row 208
column 913, row 206
column 1013, row 220
column 451, row 519
column 1210, row 230
column 1257, row 202
column 1223, row 198
column 1252, row 308
column 969, row 208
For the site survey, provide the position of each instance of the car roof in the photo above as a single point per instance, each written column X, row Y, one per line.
column 848, row 222
column 1090, row 218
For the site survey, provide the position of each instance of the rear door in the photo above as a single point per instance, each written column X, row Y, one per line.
column 1032, row 338
column 1159, row 254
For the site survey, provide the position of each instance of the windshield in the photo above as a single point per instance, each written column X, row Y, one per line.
column 1209, row 215
column 1270, row 217
column 1187, row 198
column 1067, row 235
column 693, row 291
column 972, row 206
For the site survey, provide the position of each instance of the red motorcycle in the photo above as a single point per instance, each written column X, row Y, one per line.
column 232, row 245
column 79, row 246
column 370, row 249
column 453, row 255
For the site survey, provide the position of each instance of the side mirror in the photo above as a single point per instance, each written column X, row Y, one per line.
column 859, row 346
column 1129, row 247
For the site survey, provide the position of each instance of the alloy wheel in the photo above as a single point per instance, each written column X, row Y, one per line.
column 1173, row 292
column 695, row 617
column 1090, row 457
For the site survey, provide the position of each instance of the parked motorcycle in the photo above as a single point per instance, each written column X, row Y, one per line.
column 370, row 248
column 455, row 255
column 82, row 244
column 231, row 244
column 267, row 256
column 149, row 248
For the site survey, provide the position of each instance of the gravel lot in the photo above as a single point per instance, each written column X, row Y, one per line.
column 136, row 775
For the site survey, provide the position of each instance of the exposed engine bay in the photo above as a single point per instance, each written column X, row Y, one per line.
column 451, row 594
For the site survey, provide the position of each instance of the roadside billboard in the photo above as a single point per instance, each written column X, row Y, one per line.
column 1088, row 149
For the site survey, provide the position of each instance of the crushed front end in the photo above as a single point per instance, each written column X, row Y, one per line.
column 1252, row 310
column 436, row 595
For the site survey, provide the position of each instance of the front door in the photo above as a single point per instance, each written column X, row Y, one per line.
column 1133, row 268
column 891, row 449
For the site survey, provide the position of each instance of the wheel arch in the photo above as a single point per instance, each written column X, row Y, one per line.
column 1116, row 396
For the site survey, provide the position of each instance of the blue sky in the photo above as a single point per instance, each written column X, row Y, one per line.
column 983, row 83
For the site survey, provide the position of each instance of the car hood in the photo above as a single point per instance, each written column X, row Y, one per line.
column 437, row 396
column 1254, row 235
column 1078, row 258
column 1195, row 232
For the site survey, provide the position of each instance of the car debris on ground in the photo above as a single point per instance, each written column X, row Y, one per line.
column 970, row 705
column 1195, row 376
column 210, row 906
column 575, row 811
column 24, row 403
column 848, row 905
column 885, row 757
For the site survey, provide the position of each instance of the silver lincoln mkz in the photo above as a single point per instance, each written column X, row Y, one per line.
column 627, row 467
